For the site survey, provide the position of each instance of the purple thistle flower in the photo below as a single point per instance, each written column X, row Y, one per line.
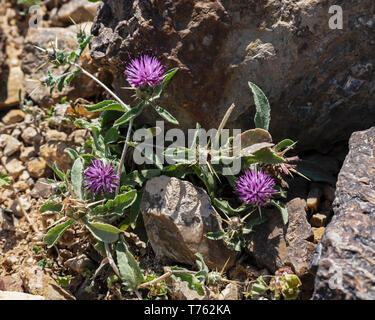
column 145, row 70
column 255, row 187
column 101, row 177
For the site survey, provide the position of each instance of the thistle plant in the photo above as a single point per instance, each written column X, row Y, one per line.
column 103, row 192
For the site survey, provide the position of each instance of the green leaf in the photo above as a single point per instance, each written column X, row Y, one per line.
column 58, row 172
column 129, row 115
column 117, row 205
column 77, row 177
column 166, row 78
column 105, row 105
column 131, row 219
column 4, row 180
column 225, row 207
column 284, row 144
column 283, row 210
column 192, row 281
column 204, row 173
column 111, row 136
column 263, row 110
column 50, row 207
column 131, row 274
column 217, row 235
column 164, row 114
column 72, row 153
column 54, row 234
column 259, row 288
column 99, row 246
column 138, row 178
column 267, row 156
column 102, row 231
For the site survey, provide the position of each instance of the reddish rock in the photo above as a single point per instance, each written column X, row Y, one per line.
column 319, row 81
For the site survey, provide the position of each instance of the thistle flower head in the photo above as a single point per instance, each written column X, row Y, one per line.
column 144, row 70
column 101, row 177
column 255, row 187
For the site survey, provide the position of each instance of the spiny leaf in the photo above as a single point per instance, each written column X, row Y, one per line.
column 165, row 114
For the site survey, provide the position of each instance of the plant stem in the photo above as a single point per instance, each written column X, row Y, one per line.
column 111, row 261
column 122, row 161
column 164, row 276
column 127, row 108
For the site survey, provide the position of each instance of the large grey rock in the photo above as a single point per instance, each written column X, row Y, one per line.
column 319, row 80
column 346, row 255
column 177, row 215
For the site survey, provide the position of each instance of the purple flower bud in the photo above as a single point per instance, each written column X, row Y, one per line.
column 101, row 177
column 145, row 70
column 255, row 187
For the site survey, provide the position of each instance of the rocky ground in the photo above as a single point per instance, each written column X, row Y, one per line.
column 31, row 140
column 35, row 132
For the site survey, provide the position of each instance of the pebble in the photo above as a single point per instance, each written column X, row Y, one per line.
column 41, row 189
column 13, row 116
column 56, row 135
column 318, row 233
column 29, row 134
column 12, row 146
column 36, row 167
column 14, row 167
column 313, row 199
column 27, row 153
column 318, row 220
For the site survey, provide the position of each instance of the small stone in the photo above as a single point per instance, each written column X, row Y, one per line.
column 54, row 135
column 9, row 262
column 318, row 220
column 16, row 133
column 30, row 135
column 231, row 292
column 12, row 146
column 27, row 153
column 11, row 283
column 13, row 116
column 79, row 264
column 24, row 175
column 313, row 199
column 21, row 185
column 318, row 234
column 16, row 208
column 179, row 290
column 55, row 152
column 79, row 137
column 14, row 167
column 41, row 189
column 36, row 281
column 36, row 167
column 6, row 222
